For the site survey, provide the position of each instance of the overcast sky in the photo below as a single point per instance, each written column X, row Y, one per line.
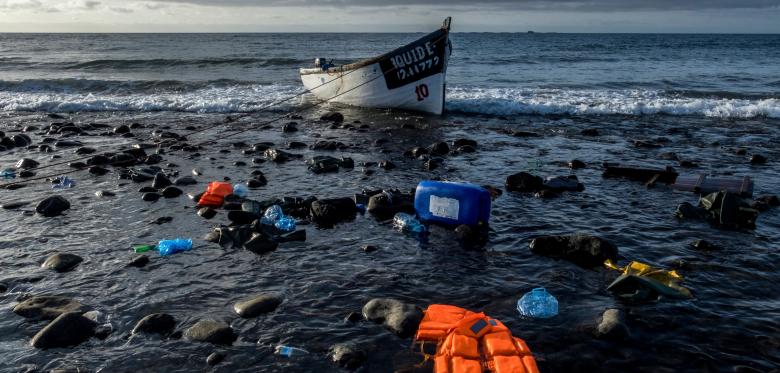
column 724, row 16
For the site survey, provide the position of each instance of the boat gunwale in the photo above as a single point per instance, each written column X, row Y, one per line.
column 369, row 61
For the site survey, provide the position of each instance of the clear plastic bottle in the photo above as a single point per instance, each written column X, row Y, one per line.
column 285, row 223
column 408, row 223
column 538, row 303
column 289, row 351
column 272, row 214
column 240, row 190
column 63, row 182
column 8, row 174
column 168, row 247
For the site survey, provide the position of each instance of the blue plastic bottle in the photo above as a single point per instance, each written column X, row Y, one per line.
column 408, row 223
column 271, row 215
column 285, row 223
column 168, row 247
column 538, row 303
column 289, row 351
column 8, row 174
column 63, row 182
column 452, row 203
column 240, row 190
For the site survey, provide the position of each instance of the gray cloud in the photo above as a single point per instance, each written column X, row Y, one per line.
column 550, row 5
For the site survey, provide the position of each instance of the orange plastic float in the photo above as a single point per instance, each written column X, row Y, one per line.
column 215, row 194
column 469, row 342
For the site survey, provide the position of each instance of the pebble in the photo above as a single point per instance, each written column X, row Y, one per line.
column 139, row 261
column 207, row 212
column 215, row 358
column 156, row 323
column 52, row 206
column 161, row 181
column 69, row 329
column 581, row 249
column 370, row 248
column 185, row 180
column 62, row 262
column 210, row 331
column 398, row 317
column 758, row 159
column 577, row 164
column 611, row 325
column 347, row 355
column 257, row 305
column 172, row 192
column 150, row 197
column 47, row 307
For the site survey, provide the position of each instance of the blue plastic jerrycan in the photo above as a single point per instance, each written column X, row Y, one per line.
column 452, row 203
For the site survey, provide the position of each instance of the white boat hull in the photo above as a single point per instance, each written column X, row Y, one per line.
column 411, row 77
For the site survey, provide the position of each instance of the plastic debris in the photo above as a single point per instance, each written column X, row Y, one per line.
column 452, row 203
column 144, row 248
column 289, row 351
column 168, row 247
column 63, row 182
column 8, row 174
column 407, row 223
column 240, row 190
column 276, row 217
column 538, row 303
column 640, row 281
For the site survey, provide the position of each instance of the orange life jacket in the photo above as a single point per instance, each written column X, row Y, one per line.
column 215, row 194
column 471, row 342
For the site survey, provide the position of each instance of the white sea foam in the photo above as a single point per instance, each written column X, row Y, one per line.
column 73, row 96
column 509, row 101
column 215, row 99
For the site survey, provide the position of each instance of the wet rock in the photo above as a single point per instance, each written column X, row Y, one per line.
column 98, row 160
column 257, row 305
column 440, row 148
column 62, row 262
column 546, row 194
column 14, row 205
column 328, row 145
column 150, row 197
column 464, row 142
column 241, row 217
column 69, row 329
column 704, row 245
column 215, row 358
column 370, row 248
column 21, row 140
column 26, row 163
column 97, row 170
column 156, row 323
column 418, row 152
column 52, row 206
column 147, row 189
column 611, row 325
column 353, row 317
column 172, row 192
column 210, row 331
column 576, row 164
column 524, row 182
column 26, row 173
column 29, row 128
column 765, row 202
column 584, row 250
column 688, row 164
column 432, row 164
column 162, row 220
column 47, row 307
column 398, row 317
column 333, row 210
column 185, row 180
column 122, row 129
column 122, row 160
column 387, row 165
column 757, row 159
column 334, row 117
column 296, row 145
column 347, row 355
column 466, row 149
column 289, row 128
column 161, row 181
column 207, row 212
column 67, row 143
column 85, row 150
column 646, row 144
column 563, row 183
column 385, row 205
column 260, row 244
column 139, row 261
column 278, row 156
column 77, row 165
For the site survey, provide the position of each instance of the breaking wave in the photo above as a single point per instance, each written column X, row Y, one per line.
column 511, row 101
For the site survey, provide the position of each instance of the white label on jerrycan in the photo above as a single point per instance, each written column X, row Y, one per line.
column 444, row 207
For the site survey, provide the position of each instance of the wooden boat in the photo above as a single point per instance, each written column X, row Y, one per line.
column 411, row 77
